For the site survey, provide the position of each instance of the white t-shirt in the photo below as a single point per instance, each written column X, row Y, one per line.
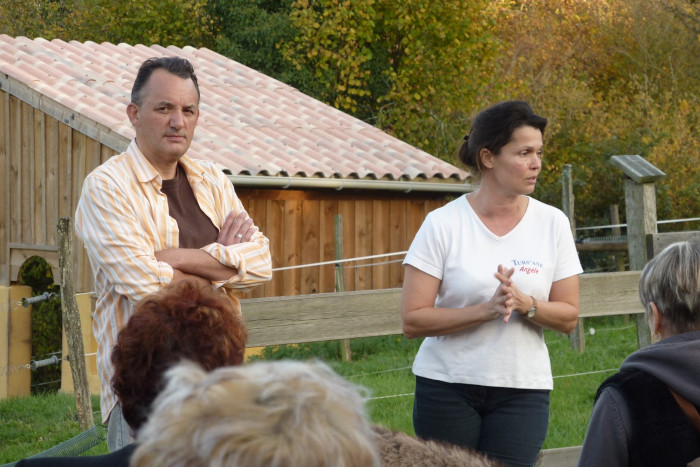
column 454, row 246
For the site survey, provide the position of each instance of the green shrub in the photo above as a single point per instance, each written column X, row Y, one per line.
column 46, row 323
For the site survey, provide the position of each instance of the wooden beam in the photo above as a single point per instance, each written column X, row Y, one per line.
column 332, row 316
column 658, row 241
column 321, row 317
column 39, row 174
column 609, row 293
column 5, row 191
column 559, row 457
column 601, row 246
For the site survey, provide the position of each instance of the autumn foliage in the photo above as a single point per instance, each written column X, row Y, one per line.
column 613, row 76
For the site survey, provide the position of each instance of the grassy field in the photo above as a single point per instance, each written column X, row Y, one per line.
column 382, row 364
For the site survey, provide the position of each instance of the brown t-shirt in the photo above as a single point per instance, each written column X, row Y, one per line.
column 196, row 229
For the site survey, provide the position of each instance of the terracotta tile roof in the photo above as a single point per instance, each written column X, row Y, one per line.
column 250, row 123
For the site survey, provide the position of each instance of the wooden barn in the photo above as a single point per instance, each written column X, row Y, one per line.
column 302, row 168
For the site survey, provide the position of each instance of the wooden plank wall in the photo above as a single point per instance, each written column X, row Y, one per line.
column 5, row 193
column 301, row 224
column 44, row 162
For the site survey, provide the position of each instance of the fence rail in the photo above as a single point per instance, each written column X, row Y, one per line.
column 346, row 315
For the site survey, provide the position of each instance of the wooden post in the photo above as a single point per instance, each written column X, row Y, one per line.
column 71, row 324
column 340, row 279
column 15, row 342
column 86, row 307
column 617, row 232
column 640, row 208
column 567, row 196
column 641, row 220
column 577, row 337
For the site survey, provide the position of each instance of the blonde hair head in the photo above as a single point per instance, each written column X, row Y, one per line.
column 267, row 413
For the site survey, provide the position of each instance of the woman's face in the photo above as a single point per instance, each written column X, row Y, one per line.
column 516, row 167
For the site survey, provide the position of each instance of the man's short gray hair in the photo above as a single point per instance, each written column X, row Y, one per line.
column 175, row 65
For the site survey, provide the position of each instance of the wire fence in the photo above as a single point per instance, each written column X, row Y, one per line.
column 662, row 222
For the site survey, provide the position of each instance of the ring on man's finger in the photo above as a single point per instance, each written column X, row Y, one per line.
column 238, row 235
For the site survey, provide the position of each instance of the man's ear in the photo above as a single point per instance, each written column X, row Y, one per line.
column 486, row 158
column 658, row 319
column 132, row 111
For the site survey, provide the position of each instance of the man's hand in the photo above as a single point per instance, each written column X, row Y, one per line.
column 237, row 228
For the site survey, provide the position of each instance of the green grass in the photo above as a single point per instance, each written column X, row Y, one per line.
column 382, row 364
column 29, row 425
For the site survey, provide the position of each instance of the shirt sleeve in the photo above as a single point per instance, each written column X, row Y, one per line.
column 251, row 259
column 427, row 251
column 606, row 438
column 107, row 222
column 568, row 262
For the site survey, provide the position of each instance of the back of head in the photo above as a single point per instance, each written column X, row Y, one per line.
column 493, row 128
column 267, row 413
column 181, row 321
column 672, row 281
column 398, row 449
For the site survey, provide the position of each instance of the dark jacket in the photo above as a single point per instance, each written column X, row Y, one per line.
column 637, row 396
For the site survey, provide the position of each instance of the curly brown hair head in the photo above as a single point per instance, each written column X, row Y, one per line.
column 182, row 321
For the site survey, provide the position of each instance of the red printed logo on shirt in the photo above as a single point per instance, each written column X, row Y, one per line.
column 527, row 266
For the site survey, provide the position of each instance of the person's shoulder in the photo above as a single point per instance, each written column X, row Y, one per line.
column 113, row 168
column 546, row 208
column 546, row 212
column 451, row 209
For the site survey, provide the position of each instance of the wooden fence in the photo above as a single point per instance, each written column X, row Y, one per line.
column 320, row 317
column 345, row 315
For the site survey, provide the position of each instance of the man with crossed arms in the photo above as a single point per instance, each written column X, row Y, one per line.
column 152, row 215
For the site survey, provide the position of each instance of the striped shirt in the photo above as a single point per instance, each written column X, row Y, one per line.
column 123, row 219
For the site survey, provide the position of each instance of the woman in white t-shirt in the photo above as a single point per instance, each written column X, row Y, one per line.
column 484, row 275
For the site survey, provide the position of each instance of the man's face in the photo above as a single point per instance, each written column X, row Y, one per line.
column 165, row 120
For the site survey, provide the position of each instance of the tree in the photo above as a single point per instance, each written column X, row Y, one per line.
column 250, row 33
column 32, row 19
column 414, row 68
column 164, row 22
column 614, row 77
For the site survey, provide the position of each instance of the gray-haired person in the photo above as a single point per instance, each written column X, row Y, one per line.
column 643, row 415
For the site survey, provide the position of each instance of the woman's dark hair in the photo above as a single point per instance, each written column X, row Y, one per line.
column 182, row 321
column 493, row 128
column 178, row 66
